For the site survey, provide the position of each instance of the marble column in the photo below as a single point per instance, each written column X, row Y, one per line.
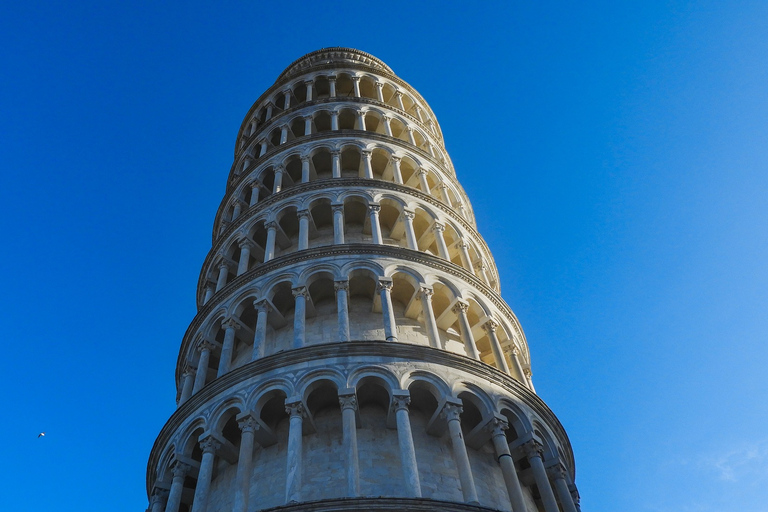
column 236, row 209
column 374, row 210
column 518, row 366
column 444, row 194
column 367, row 169
column 245, row 254
column 336, row 164
column 390, row 327
column 208, row 294
column 504, row 457
column 533, row 450
column 209, row 446
column 332, row 86
column 387, row 126
column 442, row 249
column 334, row 120
column 305, row 160
column 360, row 120
column 411, row 138
column 379, row 91
column 262, row 308
column 221, row 282
column 269, row 252
column 255, row 188
column 400, row 402
column 307, row 125
column 461, row 309
column 270, row 111
column 278, row 184
column 422, row 174
column 342, row 306
column 287, row 101
column 180, row 471
column 558, row 476
column 308, row 84
column 205, row 348
column 248, row 426
column 338, row 223
column 466, row 260
column 263, row 147
column 498, row 354
column 188, row 382
column 451, row 412
column 529, row 378
column 397, row 175
column 295, row 411
column 299, row 316
column 356, row 85
column 230, row 327
column 158, row 500
column 284, row 134
column 399, row 97
column 348, row 404
column 433, row 333
column 303, row 216
column 410, row 234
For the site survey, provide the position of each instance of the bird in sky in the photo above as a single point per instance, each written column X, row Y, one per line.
column 41, row 434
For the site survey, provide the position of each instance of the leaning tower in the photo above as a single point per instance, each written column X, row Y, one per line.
column 351, row 350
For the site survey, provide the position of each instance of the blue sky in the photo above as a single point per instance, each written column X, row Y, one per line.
column 614, row 152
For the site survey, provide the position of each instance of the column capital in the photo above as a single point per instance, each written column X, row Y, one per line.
column 374, row 208
column 497, row 426
column 247, row 422
column 305, row 158
column 255, row 184
column 462, row 244
column 409, row 214
column 367, row 153
column 159, row 496
column 295, row 409
column 533, row 448
column 427, row 291
column 308, row 82
column 209, row 444
column 490, row 325
column 451, row 411
column 515, row 350
column 461, row 307
column 188, row 371
column 528, row 373
column 223, row 264
column 205, row 345
column 379, row 84
column 356, row 78
column 271, row 224
column 400, row 402
column 421, row 171
column 384, row 283
column 557, row 472
column 341, row 284
column 230, row 323
column 348, row 402
column 331, row 78
column 337, row 208
column 301, row 214
column 300, row 291
column 335, row 152
column 180, row 469
column 395, row 159
column 262, row 305
column 438, row 227
column 245, row 242
column 308, row 116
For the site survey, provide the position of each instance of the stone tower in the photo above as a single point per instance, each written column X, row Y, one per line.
column 351, row 350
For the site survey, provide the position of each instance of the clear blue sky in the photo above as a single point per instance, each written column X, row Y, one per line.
column 615, row 154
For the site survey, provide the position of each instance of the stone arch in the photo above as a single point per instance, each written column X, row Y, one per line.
column 519, row 424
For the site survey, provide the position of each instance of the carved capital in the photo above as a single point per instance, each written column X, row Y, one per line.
column 355, row 78
column 348, row 402
column 255, row 184
column 210, row 445
column 223, row 264
column 300, row 291
column 421, row 171
column 308, row 82
column 557, row 472
column 427, row 292
column 395, row 160
column 408, row 214
column 400, row 403
column 306, row 158
column 302, row 214
column 295, row 409
column 205, row 345
column 379, row 85
column 271, row 225
column 262, row 305
column 528, row 373
column 248, row 424
column 337, row 208
column 462, row 244
column 497, row 426
column 367, row 154
column 532, row 448
column 180, row 470
column 159, row 496
column 374, row 208
column 245, row 242
column 438, row 228
column 230, row 323
column 189, row 372
column 451, row 412
column 384, row 284
column 490, row 326
column 341, row 285
column 461, row 307
column 335, row 152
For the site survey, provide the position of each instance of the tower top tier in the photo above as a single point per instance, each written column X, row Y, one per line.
column 336, row 55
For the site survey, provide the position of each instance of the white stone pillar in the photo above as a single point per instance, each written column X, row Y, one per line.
column 518, row 366
column 400, row 402
column 466, row 260
column 255, row 187
column 158, row 499
column 221, row 282
column 367, row 169
column 451, row 412
column 248, row 426
column 374, row 210
column 305, row 169
column 336, row 164
column 529, row 378
column 338, row 224
column 387, row 126
column 387, row 311
column 284, row 134
column 396, row 174
column 411, row 138
column 263, row 148
column 498, row 354
column 236, row 209
column 187, row 384
column 380, row 91
column 209, row 446
column 269, row 252
column 245, row 255
column 205, row 348
column 460, row 309
column 533, row 451
column 356, row 85
column 307, row 125
column 558, row 476
column 208, row 294
column 278, row 184
column 484, row 274
column 334, row 120
column 360, row 120
column 444, row 194
column 442, row 249
column 422, row 174
column 348, row 404
column 303, row 229
column 270, row 110
column 309, row 84
column 287, row 101
column 299, row 316
column 410, row 234
column 260, row 335
column 419, row 114
column 295, row 411
column 230, row 327
column 332, row 86
column 508, row 471
column 400, row 104
column 429, row 317
column 342, row 307
column 180, row 471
